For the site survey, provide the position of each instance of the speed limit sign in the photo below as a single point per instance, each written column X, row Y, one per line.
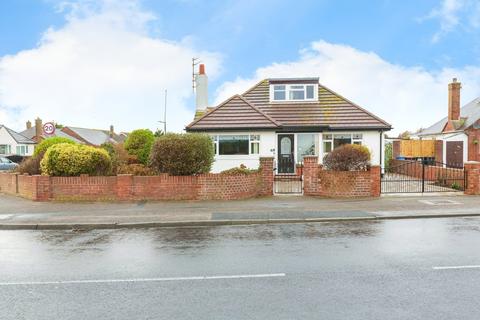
column 49, row 128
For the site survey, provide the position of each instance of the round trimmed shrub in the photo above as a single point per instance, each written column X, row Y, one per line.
column 139, row 143
column 42, row 147
column 73, row 160
column 349, row 157
column 182, row 154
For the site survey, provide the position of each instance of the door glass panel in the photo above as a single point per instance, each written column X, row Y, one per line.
column 285, row 145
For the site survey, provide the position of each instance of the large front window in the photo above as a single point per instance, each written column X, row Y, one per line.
column 333, row 141
column 236, row 144
column 229, row 145
column 306, row 145
column 293, row 92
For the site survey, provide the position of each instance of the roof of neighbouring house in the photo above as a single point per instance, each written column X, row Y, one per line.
column 31, row 133
column 253, row 110
column 469, row 115
column 95, row 136
column 18, row 137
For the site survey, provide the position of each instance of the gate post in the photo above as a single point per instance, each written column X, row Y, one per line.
column 310, row 175
column 423, row 176
column 267, row 172
column 472, row 170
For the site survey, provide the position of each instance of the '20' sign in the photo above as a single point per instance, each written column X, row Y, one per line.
column 49, row 128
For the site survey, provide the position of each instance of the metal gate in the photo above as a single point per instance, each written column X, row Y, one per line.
column 422, row 176
column 288, row 184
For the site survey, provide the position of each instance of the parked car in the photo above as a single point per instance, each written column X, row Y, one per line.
column 7, row 164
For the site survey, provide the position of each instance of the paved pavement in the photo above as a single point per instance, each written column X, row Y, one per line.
column 18, row 213
column 388, row 269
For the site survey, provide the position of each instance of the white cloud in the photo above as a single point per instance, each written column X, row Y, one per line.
column 406, row 97
column 101, row 68
column 453, row 14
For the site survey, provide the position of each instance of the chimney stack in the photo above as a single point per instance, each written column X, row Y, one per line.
column 111, row 131
column 201, row 84
column 454, row 100
column 38, row 129
column 29, row 124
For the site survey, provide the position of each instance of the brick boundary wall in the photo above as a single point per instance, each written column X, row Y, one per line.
column 345, row 184
column 128, row 187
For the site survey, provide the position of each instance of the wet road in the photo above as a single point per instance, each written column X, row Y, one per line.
column 360, row 270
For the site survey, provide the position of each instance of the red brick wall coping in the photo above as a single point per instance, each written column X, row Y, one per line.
column 128, row 187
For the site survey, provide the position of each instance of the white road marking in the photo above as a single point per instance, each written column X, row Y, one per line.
column 238, row 276
column 456, row 267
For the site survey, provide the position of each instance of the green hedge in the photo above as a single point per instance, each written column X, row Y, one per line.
column 73, row 160
column 182, row 154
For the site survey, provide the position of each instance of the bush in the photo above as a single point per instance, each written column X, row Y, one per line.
column 30, row 165
column 42, row 147
column 139, row 143
column 72, row 160
column 182, row 154
column 136, row 169
column 348, row 157
column 239, row 170
column 119, row 155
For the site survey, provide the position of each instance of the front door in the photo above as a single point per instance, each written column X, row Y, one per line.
column 286, row 162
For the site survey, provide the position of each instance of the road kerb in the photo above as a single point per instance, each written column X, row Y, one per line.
column 207, row 223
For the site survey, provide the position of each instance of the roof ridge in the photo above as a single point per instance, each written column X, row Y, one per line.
column 254, row 86
column 224, row 103
column 17, row 133
column 258, row 110
column 210, row 111
column 355, row 105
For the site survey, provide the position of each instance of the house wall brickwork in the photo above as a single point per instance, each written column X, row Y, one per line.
column 348, row 184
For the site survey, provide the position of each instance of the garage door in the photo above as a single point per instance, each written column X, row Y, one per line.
column 455, row 154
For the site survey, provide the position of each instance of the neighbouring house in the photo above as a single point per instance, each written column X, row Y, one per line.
column 287, row 119
column 458, row 134
column 14, row 143
column 94, row 137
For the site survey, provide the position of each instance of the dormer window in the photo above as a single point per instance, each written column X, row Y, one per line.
column 293, row 92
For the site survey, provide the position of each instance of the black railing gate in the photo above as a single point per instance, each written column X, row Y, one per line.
column 422, row 176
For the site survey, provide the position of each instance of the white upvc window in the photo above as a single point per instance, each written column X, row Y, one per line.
column 5, row 149
column 236, row 144
column 22, row 150
column 333, row 141
column 254, row 144
column 293, row 92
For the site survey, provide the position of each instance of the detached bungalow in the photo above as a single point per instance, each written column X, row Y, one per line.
column 285, row 118
column 13, row 143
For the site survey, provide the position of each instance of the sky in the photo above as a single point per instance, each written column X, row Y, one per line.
column 108, row 62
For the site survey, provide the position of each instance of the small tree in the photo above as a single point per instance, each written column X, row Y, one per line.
column 182, row 154
column 348, row 157
column 139, row 143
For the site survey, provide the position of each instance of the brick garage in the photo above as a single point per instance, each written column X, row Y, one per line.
column 348, row 184
column 128, row 187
